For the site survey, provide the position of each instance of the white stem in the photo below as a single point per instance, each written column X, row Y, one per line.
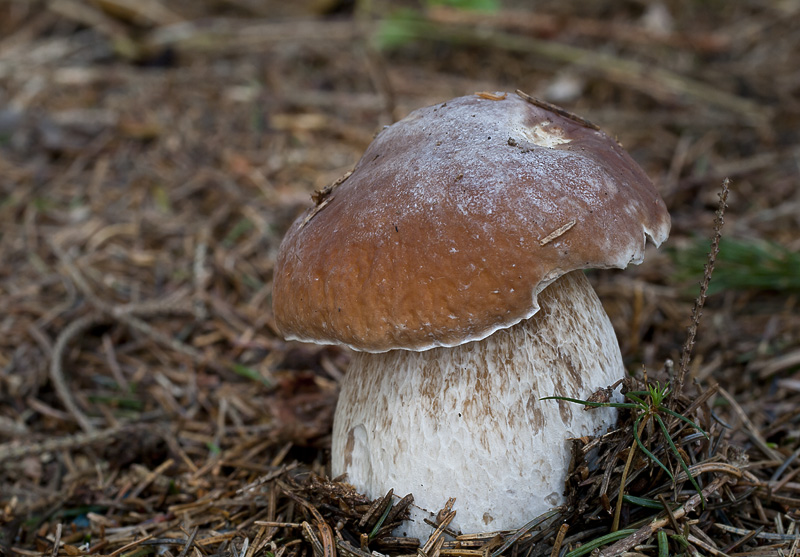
column 467, row 422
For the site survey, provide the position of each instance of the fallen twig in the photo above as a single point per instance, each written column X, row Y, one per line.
column 643, row 533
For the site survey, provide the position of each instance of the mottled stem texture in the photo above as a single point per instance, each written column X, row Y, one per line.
column 467, row 422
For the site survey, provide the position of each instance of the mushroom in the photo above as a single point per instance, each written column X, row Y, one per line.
column 451, row 260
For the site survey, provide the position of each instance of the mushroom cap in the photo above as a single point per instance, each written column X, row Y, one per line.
column 453, row 221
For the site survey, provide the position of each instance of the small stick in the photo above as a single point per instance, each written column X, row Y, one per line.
column 273, row 524
column 558, row 110
column 430, row 546
column 743, row 540
column 57, row 541
column 668, row 510
column 131, row 545
column 560, row 231
column 151, row 476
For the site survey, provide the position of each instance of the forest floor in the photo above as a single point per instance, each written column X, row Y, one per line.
column 153, row 153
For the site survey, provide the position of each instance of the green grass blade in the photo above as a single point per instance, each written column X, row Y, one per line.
column 380, row 522
column 687, row 420
column 680, row 459
column 650, row 455
column 663, row 544
column 636, row 399
column 637, row 393
column 250, row 373
column 643, row 502
column 603, row 540
column 743, row 264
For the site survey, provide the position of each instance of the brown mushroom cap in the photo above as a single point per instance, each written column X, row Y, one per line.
column 454, row 220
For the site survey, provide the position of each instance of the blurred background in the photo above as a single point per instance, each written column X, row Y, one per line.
column 153, row 153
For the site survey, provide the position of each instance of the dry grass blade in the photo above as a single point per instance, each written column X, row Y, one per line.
column 130, row 545
column 311, row 537
column 189, row 542
column 400, row 509
column 562, row 531
column 525, row 530
column 56, row 541
column 750, row 429
column 351, row 551
column 759, row 534
column 436, row 538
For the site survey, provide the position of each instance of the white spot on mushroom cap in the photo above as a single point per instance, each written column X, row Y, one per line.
column 544, row 134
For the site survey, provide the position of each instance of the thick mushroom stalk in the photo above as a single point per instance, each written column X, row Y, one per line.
column 468, row 422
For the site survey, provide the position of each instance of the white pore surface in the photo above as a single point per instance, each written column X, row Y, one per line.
column 468, row 422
